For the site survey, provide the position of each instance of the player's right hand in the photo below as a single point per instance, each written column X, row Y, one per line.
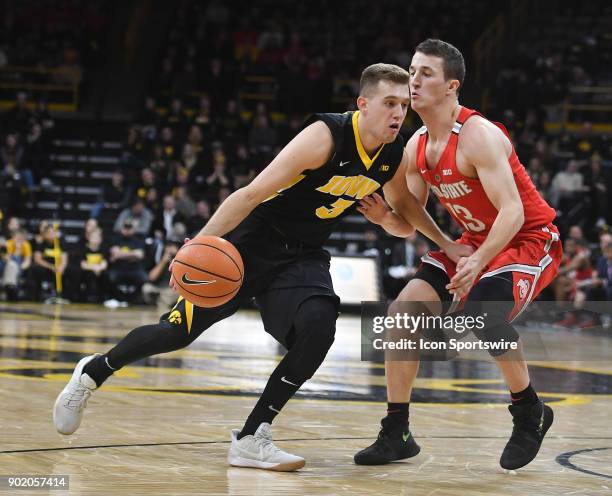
column 171, row 282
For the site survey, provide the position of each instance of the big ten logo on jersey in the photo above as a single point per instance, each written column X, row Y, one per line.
column 352, row 186
column 384, row 168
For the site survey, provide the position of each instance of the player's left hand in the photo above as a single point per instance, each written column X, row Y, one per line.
column 374, row 208
column 468, row 269
column 456, row 251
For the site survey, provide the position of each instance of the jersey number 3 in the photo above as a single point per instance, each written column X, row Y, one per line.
column 335, row 209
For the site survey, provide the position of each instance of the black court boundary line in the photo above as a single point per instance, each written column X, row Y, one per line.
column 194, row 443
column 564, row 460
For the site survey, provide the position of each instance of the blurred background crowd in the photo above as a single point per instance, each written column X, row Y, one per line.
column 124, row 127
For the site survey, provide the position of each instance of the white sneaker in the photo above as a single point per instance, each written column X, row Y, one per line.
column 69, row 405
column 258, row 451
column 112, row 303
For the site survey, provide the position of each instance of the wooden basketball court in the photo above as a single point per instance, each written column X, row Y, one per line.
column 162, row 426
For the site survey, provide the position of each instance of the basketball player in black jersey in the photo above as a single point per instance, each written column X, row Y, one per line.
column 279, row 223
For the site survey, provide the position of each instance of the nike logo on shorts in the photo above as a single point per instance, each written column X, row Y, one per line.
column 195, row 282
column 288, row 382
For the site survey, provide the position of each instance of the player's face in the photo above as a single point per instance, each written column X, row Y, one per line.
column 427, row 84
column 385, row 109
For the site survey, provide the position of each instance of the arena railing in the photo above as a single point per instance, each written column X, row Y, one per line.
column 59, row 87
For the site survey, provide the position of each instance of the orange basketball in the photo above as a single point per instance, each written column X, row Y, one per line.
column 208, row 271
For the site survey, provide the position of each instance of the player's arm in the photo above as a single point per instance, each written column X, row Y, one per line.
column 407, row 196
column 485, row 146
column 310, row 149
column 376, row 210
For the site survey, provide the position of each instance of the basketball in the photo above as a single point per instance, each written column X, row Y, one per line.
column 208, row 271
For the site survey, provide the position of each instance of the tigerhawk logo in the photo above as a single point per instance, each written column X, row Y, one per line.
column 175, row 318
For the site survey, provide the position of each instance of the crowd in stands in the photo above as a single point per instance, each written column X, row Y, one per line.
column 313, row 50
column 50, row 34
column 194, row 142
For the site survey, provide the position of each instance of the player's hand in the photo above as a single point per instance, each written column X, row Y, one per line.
column 455, row 251
column 468, row 269
column 171, row 282
column 374, row 208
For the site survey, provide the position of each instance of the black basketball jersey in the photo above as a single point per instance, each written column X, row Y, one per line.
column 309, row 208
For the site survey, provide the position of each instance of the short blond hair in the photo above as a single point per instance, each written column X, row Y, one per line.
column 374, row 73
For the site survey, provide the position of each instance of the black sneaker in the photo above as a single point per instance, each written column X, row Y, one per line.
column 531, row 422
column 391, row 445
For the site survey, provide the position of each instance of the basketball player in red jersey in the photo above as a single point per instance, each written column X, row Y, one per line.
column 471, row 166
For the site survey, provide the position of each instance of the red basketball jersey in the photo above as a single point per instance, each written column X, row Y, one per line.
column 465, row 198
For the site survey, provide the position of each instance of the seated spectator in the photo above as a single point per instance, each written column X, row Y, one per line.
column 567, row 187
column 50, row 259
column 42, row 227
column 176, row 118
column 127, row 255
column 42, row 116
column 159, row 165
column 576, row 233
column 203, row 118
column 196, row 141
column 35, row 154
column 599, row 182
column 573, row 279
column 17, row 118
column 189, row 157
column 134, row 149
column 115, row 195
column 242, row 167
column 168, row 144
column 13, row 224
column 201, row 217
column 220, row 177
column 138, row 214
column 222, row 194
column 231, row 127
column 91, row 225
column 405, row 259
column 152, row 200
column 603, row 276
column 93, row 282
column 156, row 289
column 17, row 260
column 184, row 204
column 262, row 137
column 11, row 163
column 167, row 217
column 148, row 181
column 148, row 116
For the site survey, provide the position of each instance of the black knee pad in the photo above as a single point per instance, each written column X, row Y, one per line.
column 313, row 334
column 492, row 300
column 173, row 338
